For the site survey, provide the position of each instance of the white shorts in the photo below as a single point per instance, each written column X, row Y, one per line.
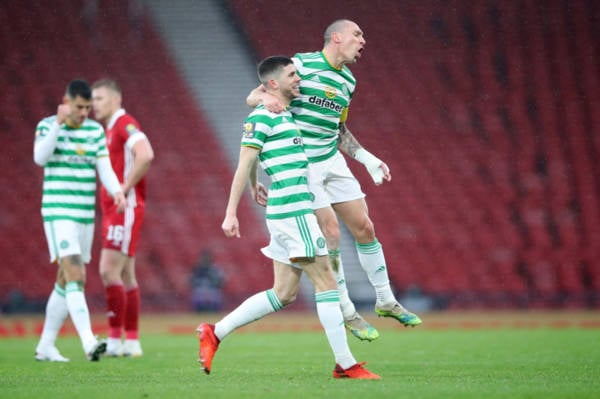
column 297, row 237
column 332, row 182
column 66, row 237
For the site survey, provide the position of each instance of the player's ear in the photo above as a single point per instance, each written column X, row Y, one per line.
column 336, row 37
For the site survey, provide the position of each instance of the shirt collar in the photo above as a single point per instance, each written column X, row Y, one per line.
column 113, row 119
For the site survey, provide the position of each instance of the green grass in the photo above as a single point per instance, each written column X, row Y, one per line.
column 539, row 363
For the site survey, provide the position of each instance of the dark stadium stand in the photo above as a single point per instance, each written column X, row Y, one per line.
column 485, row 112
column 188, row 181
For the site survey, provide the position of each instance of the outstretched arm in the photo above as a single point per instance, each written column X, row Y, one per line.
column 231, row 226
column 348, row 144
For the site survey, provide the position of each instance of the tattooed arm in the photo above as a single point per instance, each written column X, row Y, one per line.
column 346, row 141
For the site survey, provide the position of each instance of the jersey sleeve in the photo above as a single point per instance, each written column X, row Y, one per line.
column 134, row 134
column 299, row 64
column 43, row 127
column 129, row 131
column 101, row 142
column 256, row 128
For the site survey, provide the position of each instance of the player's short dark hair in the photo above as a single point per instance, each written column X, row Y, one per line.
column 108, row 83
column 79, row 88
column 270, row 65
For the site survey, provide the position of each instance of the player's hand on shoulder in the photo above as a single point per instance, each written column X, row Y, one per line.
column 272, row 103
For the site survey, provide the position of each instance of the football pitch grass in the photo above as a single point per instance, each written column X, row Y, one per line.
column 450, row 361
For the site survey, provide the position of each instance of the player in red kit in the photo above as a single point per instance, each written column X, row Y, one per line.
column 131, row 155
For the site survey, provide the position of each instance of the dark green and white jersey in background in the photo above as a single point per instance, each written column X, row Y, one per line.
column 325, row 92
column 70, row 173
column 282, row 157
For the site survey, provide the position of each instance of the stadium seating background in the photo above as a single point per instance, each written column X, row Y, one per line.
column 485, row 111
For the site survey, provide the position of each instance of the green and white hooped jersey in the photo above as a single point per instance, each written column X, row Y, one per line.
column 324, row 94
column 282, row 157
column 69, row 190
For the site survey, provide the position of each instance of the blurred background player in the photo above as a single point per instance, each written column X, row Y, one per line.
column 297, row 243
column 207, row 282
column 320, row 111
column 131, row 155
column 71, row 148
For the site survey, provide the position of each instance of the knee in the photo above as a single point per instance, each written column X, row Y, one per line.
column 108, row 277
column 331, row 231
column 364, row 231
column 128, row 279
column 78, row 277
column 71, row 271
column 286, row 296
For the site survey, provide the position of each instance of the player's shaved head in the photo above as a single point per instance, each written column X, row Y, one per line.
column 335, row 26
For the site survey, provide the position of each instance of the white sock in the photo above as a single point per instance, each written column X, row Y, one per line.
column 330, row 315
column 346, row 304
column 80, row 315
column 256, row 307
column 56, row 313
column 372, row 260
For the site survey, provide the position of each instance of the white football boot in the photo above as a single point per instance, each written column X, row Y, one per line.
column 49, row 354
column 132, row 348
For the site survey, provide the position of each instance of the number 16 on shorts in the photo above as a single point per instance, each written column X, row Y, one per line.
column 115, row 234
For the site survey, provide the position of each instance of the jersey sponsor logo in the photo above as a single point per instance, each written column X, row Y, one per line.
column 330, row 92
column 81, row 159
column 80, row 150
column 248, row 130
column 324, row 103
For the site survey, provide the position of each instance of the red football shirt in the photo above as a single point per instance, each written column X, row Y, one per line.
column 122, row 132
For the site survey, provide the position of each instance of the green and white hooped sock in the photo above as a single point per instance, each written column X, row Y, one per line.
column 80, row 315
column 348, row 308
column 330, row 316
column 372, row 260
column 256, row 307
column 56, row 314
